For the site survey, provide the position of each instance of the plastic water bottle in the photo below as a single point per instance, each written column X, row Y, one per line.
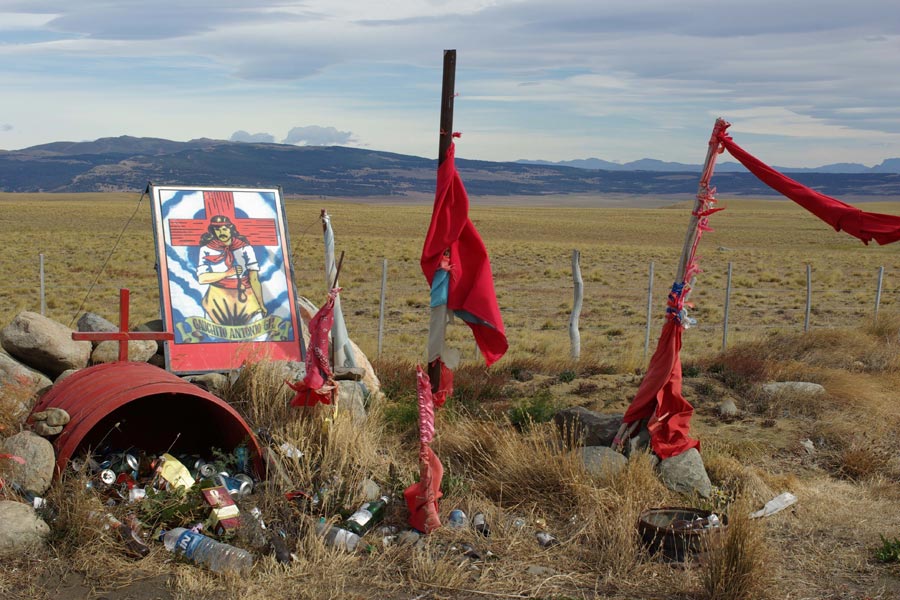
column 337, row 537
column 198, row 548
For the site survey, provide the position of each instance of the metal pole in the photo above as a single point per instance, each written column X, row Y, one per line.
column 381, row 305
column 808, row 297
column 574, row 334
column 727, row 306
column 649, row 311
column 878, row 291
column 43, row 297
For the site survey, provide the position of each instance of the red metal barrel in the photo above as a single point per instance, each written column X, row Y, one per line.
column 137, row 405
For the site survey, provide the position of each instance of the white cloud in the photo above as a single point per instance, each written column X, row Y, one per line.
column 258, row 138
column 313, row 135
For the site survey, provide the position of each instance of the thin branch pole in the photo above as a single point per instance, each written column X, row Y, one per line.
column 43, row 296
column 574, row 334
column 727, row 306
column 649, row 310
column 878, row 291
column 381, row 305
column 808, row 297
column 445, row 139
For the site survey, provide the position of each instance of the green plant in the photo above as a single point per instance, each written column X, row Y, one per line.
column 889, row 551
column 539, row 408
column 567, row 376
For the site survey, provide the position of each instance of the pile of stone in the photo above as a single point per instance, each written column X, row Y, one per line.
column 593, row 434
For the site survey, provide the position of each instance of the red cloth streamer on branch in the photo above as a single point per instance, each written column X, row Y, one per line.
column 422, row 497
column 866, row 226
column 471, row 293
column 318, row 383
column 659, row 398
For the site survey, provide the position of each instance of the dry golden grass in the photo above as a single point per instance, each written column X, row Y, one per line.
column 821, row 548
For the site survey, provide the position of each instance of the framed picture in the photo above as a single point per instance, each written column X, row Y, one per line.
column 225, row 277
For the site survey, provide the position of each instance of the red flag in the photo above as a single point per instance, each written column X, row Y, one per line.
column 317, row 385
column 866, row 226
column 422, row 497
column 471, row 294
column 659, row 396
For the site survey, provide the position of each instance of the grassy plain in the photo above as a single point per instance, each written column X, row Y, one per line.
column 496, row 460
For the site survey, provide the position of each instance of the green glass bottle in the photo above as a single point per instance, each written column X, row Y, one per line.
column 368, row 515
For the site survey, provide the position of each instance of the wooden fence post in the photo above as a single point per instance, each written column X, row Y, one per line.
column 43, row 297
column 878, row 291
column 649, row 311
column 808, row 297
column 574, row 334
column 381, row 305
column 727, row 306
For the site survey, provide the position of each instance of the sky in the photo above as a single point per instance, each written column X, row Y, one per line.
column 803, row 82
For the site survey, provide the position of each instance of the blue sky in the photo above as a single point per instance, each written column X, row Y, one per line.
column 804, row 83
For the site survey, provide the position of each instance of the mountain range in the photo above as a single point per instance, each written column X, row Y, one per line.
column 128, row 163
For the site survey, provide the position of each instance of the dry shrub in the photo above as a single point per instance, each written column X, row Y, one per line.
column 735, row 565
column 16, row 399
column 259, row 391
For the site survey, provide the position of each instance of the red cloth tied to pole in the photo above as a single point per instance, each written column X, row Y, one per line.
column 471, row 282
column 422, row 497
column 866, row 226
column 318, row 383
column 659, row 396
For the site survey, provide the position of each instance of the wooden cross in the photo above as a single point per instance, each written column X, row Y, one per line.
column 187, row 232
column 123, row 335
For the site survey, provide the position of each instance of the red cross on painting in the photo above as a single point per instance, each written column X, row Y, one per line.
column 123, row 335
column 187, row 232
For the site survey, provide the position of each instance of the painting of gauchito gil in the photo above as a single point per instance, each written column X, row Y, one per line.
column 225, row 277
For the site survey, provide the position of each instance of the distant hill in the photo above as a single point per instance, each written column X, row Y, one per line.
column 890, row 165
column 129, row 163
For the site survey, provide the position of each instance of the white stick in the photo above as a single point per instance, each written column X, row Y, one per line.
column 574, row 334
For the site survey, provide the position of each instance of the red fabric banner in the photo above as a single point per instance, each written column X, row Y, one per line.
column 317, row 385
column 422, row 497
column 471, row 281
column 659, row 398
column 866, row 226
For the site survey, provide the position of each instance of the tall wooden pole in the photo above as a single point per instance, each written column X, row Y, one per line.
column 445, row 139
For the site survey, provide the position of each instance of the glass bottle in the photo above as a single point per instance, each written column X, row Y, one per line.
column 366, row 517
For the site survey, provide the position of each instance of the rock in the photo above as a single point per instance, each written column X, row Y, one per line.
column 64, row 374
column 638, row 443
column 795, row 387
column 20, row 528
column 138, row 351
column 409, row 537
column 728, row 408
column 808, row 446
column 351, row 398
column 686, row 474
column 44, row 430
column 591, row 428
column 539, row 571
column 95, row 323
column 602, row 461
column 44, row 344
column 54, row 417
column 156, row 325
column 349, row 373
column 20, row 385
column 40, row 461
column 215, row 383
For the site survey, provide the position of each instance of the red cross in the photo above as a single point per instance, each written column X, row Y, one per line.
column 123, row 335
column 187, row 232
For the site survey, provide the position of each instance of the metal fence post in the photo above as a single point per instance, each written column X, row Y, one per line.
column 574, row 334
column 649, row 311
column 381, row 305
column 808, row 297
column 43, row 297
column 727, row 306
column 878, row 291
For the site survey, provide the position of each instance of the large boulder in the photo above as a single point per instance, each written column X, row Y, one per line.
column 20, row 528
column 686, row 474
column 805, row 388
column 586, row 426
column 93, row 322
column 351, row 398
column 44, row 344
column 20, row 386
column 138, row 351
column 602, row 461
column 40, row 461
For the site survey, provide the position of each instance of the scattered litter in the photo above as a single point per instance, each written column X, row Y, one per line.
column 775, row 505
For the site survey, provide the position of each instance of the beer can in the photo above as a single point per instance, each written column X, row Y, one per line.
column 207, row 470
column 108, row 476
